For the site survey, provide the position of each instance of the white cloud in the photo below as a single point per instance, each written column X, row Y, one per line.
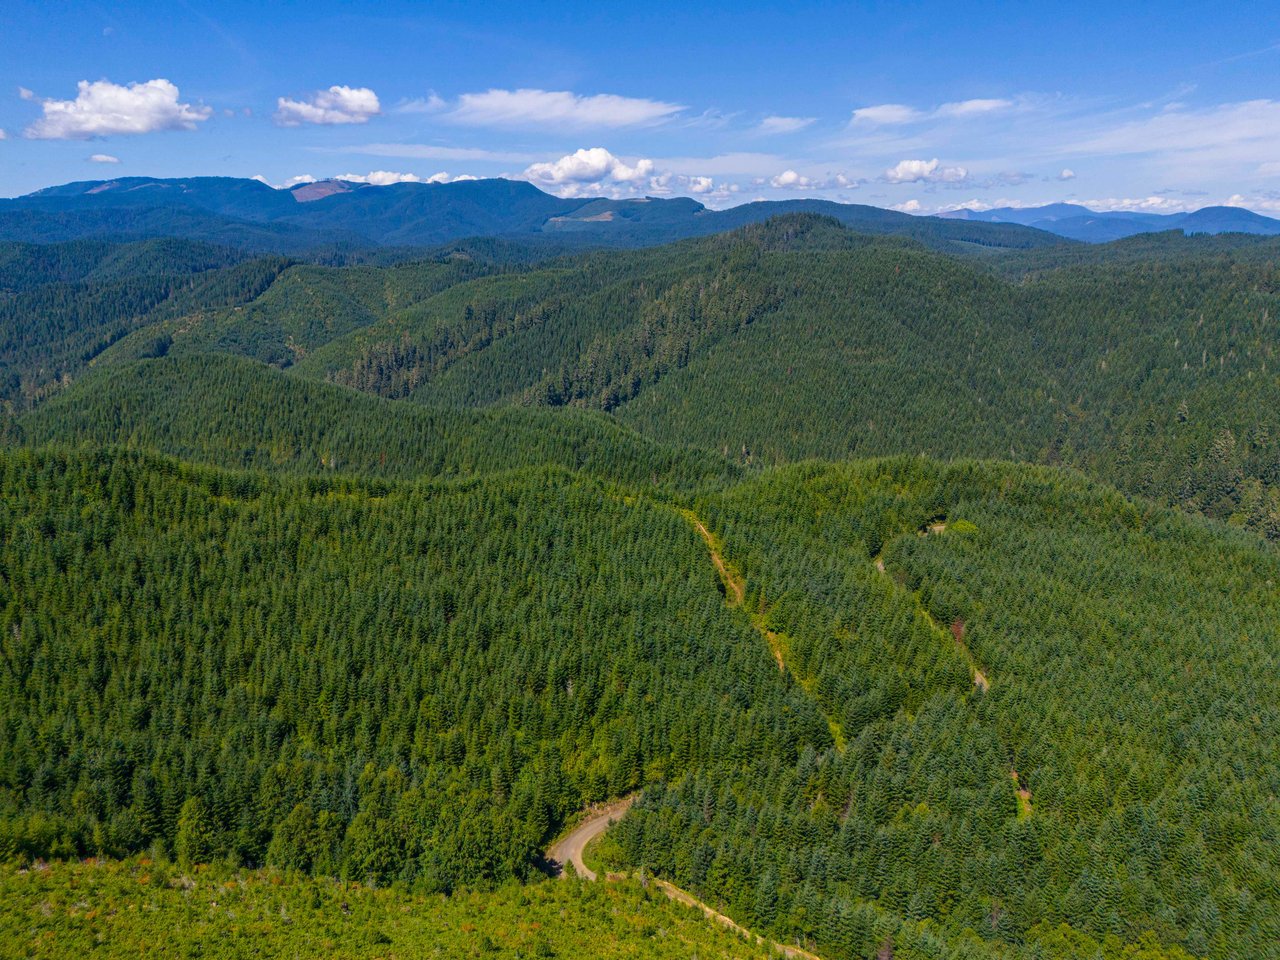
column 790, row 180
column 431, row 103
column 779, row 125
column 915, row 171
column 103, row 158
column 670, row 184
column 380, row 178
column 1153, row 204
column 911, row 206
column 971, row 108
column 3, row 135
column 25, row 94
column 560, row 108
column 979, row 205
column 597, row 172
column 975, row 204
column 1251, row 122
column 897, row 114
column 586, row 171
column 1067, row 174
column 336, row 105
column 102, row 108
column 1270, row 204
column 888, row 114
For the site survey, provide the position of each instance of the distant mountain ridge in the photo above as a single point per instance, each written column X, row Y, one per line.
column 1080, row 223
column 252, row 214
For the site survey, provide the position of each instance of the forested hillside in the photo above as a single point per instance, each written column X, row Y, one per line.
column 62, row 305
column 181, row 405
column 417, row 683
column 798, row 338
column 322, row 578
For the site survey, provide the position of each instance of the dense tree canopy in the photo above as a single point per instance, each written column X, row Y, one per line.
column 383, row 571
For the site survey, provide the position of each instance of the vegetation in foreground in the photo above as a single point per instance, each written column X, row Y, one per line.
column 139, row 907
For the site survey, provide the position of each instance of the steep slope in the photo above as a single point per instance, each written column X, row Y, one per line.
column 419, row 683
column 1084, row 782
column 1146, row 362
column 232, row 412
column 63, row 305
column 797, row 338
column 305, row 307
column 430, row 676
column 1156, row 377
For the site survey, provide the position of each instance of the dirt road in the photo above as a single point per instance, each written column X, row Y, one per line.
column 569, row 849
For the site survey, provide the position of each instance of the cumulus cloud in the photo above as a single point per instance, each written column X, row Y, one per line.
column 789, row 179
column 1067, row 174
column 103, row 158
column 778, row 125
column 380, row 178
column 917, row 171
column 911, row 206
column 336, row 105
column 597, row 172
column 1269, row 203
column 792, row 180
column 3, row 135
column 102, row 108
column 587, row 170
column 707, row 188
column 1152, row 204
column 560, row 108
column 384, row 178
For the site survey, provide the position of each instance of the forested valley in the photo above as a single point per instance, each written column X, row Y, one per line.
column 924, row 600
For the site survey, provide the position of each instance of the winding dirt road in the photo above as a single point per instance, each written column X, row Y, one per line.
column 569, row 849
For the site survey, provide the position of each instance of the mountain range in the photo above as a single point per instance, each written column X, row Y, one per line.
column 345, row 214
column 1080, row 223
column 251, row 214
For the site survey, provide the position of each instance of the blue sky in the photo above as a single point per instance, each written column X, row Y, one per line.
column 919, row 106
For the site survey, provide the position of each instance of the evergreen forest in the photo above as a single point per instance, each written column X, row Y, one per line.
column 921, row 592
